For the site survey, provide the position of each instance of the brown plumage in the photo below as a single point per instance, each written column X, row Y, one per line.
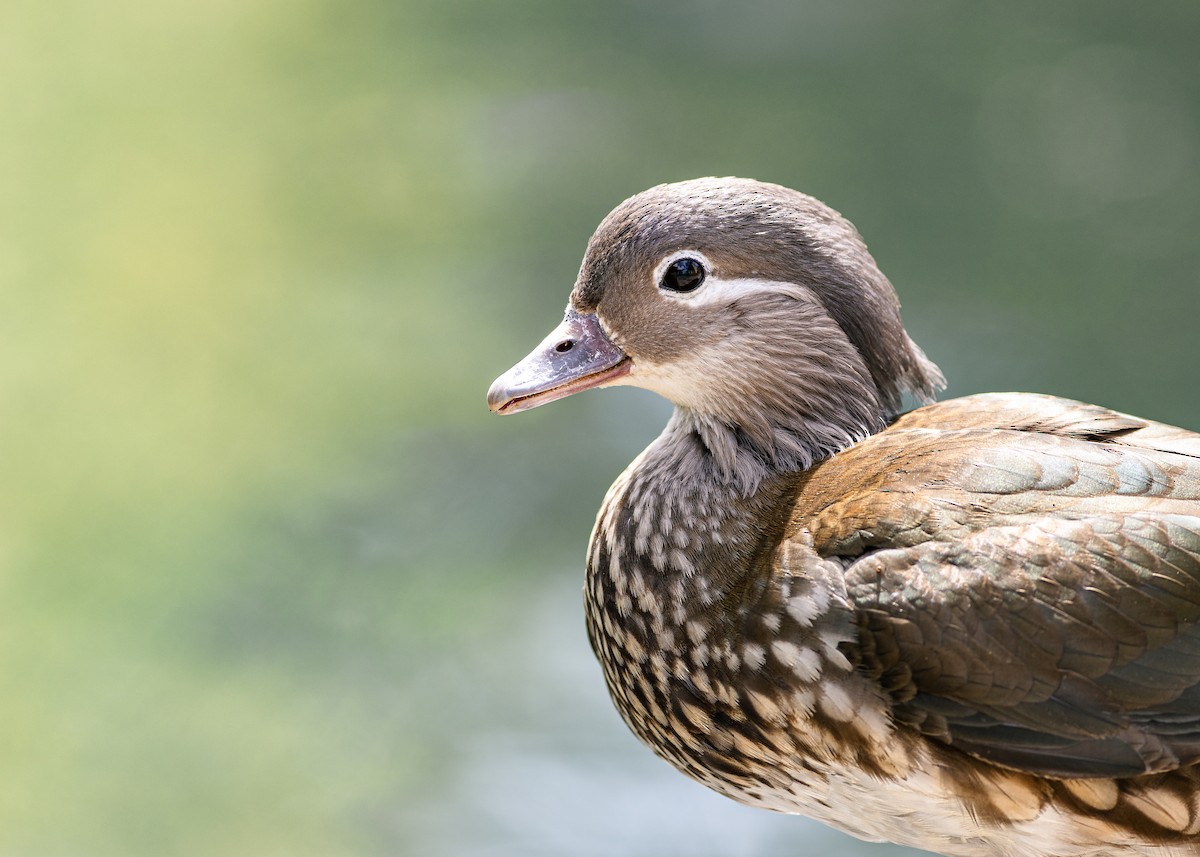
column 972, row 628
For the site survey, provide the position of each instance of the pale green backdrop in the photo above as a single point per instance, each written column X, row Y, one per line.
column 272, row 580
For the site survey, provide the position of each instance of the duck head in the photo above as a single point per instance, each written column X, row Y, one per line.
column 755, row 309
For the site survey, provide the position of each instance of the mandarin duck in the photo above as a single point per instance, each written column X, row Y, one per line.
column 970, row 628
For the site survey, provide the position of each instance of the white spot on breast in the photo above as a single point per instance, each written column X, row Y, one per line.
column 752, row 749
column 805, row 701
column 658, row 550
column 829, row 646
column 801, row 660
column 681, row 563
column 696, row 716
column 753, row 655
column 636, row 651
column 614, row 572
column 764, row 707
column 655, row 710
column 610, row 535
column 873, row 725
column 728, row 694
column 637, row 584
column 803, row 610
column 835, row 702
column 781, row 740
column 731, row 658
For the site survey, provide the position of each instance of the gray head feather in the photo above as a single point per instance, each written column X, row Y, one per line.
column 811, row 359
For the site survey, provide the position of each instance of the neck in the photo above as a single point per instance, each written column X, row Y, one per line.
column 683, row 533
column 742, row 454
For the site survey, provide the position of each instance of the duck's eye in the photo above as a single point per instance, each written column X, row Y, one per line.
column 683, row 275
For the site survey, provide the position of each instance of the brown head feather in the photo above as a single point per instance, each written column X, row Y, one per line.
column 798, row 348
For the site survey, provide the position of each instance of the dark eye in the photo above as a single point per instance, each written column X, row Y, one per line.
column 683, row 275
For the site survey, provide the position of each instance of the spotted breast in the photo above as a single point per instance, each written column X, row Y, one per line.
column 973, row 628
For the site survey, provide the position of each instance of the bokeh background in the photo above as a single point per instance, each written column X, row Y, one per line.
column 273, row 580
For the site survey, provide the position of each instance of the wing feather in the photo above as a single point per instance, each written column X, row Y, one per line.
column 1027, row 584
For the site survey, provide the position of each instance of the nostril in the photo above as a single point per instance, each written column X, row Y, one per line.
column 564, row 346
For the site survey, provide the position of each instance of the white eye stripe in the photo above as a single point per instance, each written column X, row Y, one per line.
column 720, row 292
column 715, row 291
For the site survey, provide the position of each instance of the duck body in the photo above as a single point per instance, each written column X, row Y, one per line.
column 973, row 628
column 822, row 646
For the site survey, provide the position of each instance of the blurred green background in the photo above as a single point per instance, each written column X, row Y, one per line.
column 274, row 582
